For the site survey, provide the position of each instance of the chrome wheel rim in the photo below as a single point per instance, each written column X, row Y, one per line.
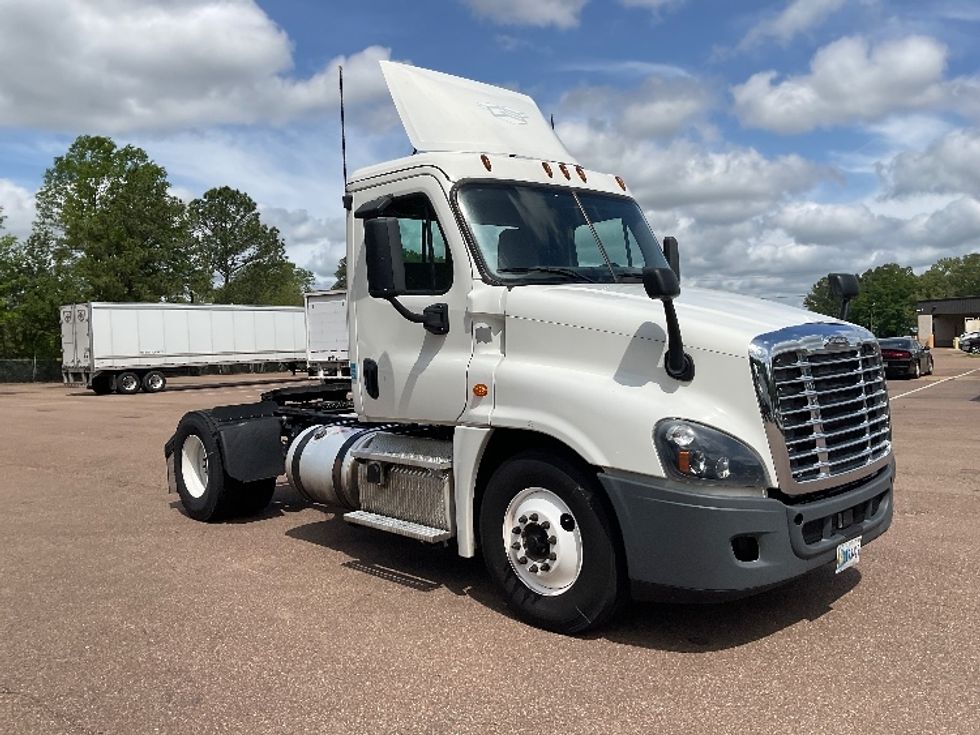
column 194, row 466
column 542, row 541
column 129, row 383
column 154, row 381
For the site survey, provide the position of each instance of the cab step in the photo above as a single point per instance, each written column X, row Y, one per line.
column 417, row 531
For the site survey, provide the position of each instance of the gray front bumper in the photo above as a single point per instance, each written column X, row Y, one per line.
column 679, row 544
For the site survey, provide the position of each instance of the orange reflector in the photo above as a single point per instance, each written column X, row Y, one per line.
column 581, row 172
column 683, row 458
column 564, row 169
column 622, row 184
column 486, row 161
column 480, row 390
column 547, row 169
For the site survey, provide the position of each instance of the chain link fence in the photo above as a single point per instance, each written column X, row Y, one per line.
column 30, row 371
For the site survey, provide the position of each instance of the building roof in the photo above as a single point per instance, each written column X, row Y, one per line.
column 963, row 305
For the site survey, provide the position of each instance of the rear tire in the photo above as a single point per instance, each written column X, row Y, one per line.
column 206, row 493
column 565, row 573
column 101, row 384
column 916, row 370
column 154, row 381
column 128, row 383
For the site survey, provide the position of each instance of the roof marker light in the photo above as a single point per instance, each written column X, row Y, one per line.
column 486, row 161
column 622, row 184
column 581, row 173
column 564, row 169
column 547, row 169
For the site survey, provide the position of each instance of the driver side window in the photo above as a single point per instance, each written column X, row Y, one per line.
column 427, row 259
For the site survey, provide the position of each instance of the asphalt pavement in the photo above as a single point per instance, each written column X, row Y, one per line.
column 119, row 614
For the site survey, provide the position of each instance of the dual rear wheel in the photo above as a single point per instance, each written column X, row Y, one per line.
column 206, row 491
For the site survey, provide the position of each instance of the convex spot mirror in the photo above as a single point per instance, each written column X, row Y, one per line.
column 844, row 285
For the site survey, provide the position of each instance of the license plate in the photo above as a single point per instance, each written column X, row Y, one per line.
column 848, row 554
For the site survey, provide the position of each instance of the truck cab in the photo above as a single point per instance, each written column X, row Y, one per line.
column 528, row 381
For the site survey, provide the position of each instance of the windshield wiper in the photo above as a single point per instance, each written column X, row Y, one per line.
column 570, row 272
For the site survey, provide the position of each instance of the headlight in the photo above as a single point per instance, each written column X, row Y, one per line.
column 697, row 453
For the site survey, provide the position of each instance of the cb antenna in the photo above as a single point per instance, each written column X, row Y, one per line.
column 343, row 129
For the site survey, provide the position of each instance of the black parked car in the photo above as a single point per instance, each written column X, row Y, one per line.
column 970, row 342
column 905, row 356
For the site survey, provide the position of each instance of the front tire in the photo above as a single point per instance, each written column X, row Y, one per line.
column 549, row 543
column 932, row 366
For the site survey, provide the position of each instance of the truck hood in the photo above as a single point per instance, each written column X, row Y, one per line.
column 714, row 321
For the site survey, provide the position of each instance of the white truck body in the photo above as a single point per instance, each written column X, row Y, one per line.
column 109, row 339
column 326, row 332
column 520, row 384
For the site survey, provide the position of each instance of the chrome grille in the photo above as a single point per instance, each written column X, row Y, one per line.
column 824, row 397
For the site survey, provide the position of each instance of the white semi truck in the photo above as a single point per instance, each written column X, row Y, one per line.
column 520, row 387
column 128, row 347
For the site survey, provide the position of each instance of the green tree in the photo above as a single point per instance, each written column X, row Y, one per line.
column 886, row 304
column 951, row 277
column 821, row 300
column 280, row 283
column 32, row 287
column 340, row 275
column 109, row 214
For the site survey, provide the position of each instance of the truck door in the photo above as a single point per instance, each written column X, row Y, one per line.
column 404, row 372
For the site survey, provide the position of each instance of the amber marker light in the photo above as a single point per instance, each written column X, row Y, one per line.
column 581, row 173
column 564, row 169
column 547, row 169
column 480, row 390
column 684, row 460
column 622, row 184
column 486, row 161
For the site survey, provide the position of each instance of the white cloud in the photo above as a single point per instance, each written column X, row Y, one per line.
column 116, row 66
column 848, row 81
column 797, row 17
column 17, row 209
column 659, row 107
column 950, row 165
column 314, row 243
column 559, row 13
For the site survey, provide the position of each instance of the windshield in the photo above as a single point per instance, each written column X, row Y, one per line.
column 533, row 233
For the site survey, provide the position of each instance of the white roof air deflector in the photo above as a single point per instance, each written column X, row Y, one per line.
column 441, row 112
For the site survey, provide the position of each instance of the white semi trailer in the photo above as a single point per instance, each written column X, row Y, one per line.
column 128, row 347
column 520, row 387
column 326, row 333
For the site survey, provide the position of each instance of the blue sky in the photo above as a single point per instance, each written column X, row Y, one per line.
column 777, row 140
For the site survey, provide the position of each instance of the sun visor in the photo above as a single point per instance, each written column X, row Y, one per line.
column 441, row 112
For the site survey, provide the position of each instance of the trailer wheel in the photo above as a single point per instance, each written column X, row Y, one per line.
column 101, row 384
column 154, row 381
column 128, row 383
column 549, row 544
column 206, row 493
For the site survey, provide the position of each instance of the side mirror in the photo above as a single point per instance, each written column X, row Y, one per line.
column 383, row 253
column 661, row 283
column 673, row 255
column 844, row 287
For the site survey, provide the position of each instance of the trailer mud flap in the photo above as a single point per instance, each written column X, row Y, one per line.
column 252, row 448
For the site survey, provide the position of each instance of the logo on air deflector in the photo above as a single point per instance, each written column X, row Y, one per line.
column 502, row 112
